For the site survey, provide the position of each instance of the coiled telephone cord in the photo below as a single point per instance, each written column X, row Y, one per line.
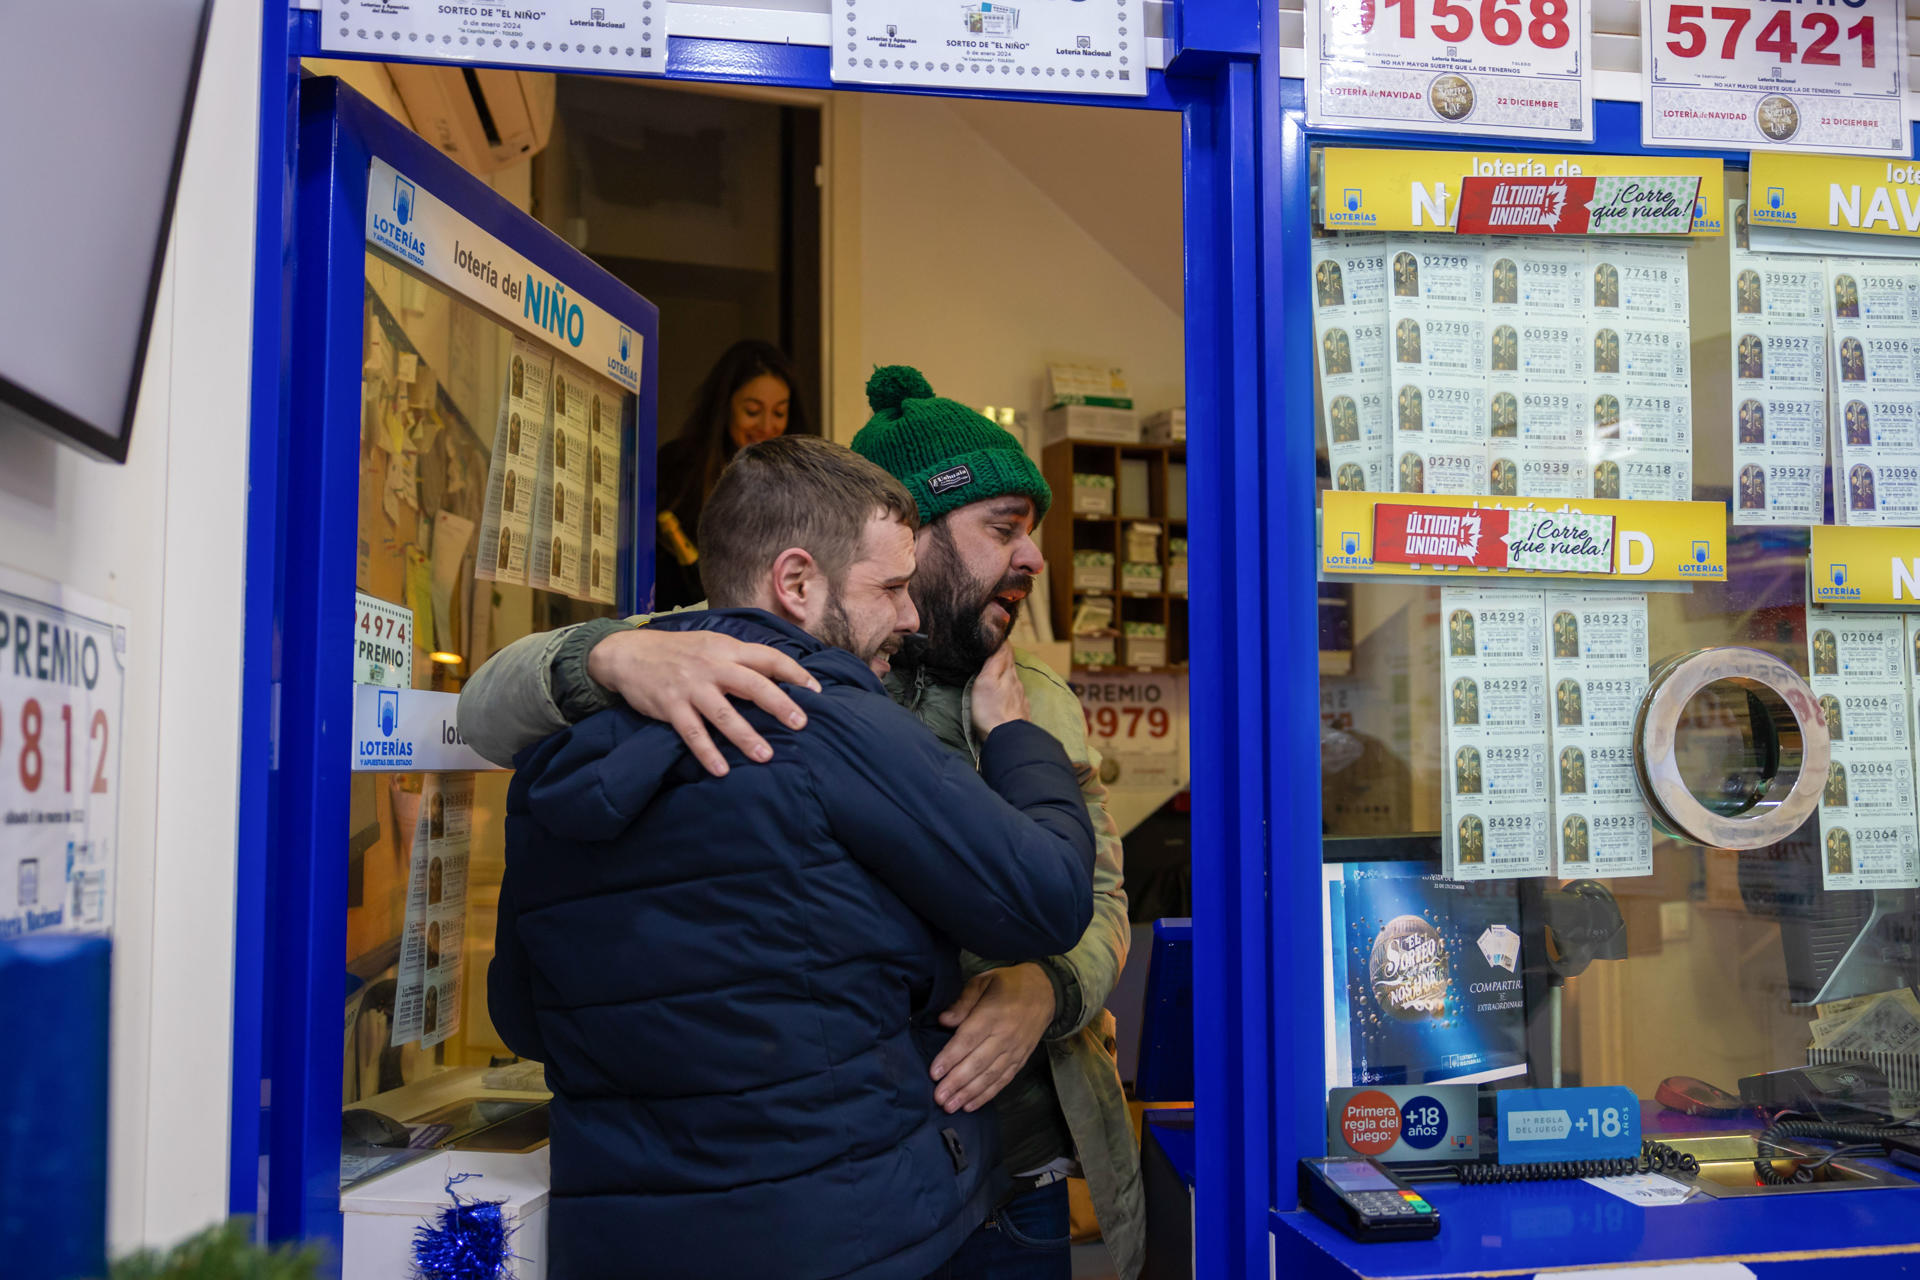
column 1654, row 1157
column 1862, row 1139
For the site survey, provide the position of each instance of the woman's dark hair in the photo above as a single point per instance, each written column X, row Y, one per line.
column 695, row 459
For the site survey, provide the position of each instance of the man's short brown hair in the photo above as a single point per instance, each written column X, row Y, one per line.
column 791, row 491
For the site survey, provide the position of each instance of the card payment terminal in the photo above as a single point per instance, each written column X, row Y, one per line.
column 1365, row 1201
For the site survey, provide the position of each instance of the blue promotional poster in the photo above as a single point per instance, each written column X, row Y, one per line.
column 1423, row 977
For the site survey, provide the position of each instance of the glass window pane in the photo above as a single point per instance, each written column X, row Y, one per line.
column 1473, row 725
column 490, row 508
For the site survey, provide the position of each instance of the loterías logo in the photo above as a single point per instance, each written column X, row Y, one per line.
column 402, row 200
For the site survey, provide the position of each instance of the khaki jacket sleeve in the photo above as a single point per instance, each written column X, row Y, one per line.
column 537, row 686
column 514, row 701
column 1095, row 962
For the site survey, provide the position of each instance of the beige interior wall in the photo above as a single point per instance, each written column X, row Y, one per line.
column 371, row 81
column 944, row 252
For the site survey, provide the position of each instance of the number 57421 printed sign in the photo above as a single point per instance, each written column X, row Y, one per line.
column 1504, row 68
column 1760, row 76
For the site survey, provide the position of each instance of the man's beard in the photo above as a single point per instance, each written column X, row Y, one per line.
column 952, row 604
column 835, row 629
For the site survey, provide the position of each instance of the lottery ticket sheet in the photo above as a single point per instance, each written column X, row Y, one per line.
column 513, row 477
column 1868, row 835
column 1536, row 369
column 1524, row 367
column 1596, row 676
column 1437, row 340
column 1779, row 384
column 602, row 476
column 1641, row 380
column 1873, row 354
column 561, row 513
column 1496, row 815
column 1350, row 345
column 427, row 1001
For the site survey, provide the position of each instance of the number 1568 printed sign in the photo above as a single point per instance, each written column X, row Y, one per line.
column 1504, row 68
column 1761, row 76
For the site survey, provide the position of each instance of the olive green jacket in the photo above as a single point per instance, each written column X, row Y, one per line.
column 539, row 684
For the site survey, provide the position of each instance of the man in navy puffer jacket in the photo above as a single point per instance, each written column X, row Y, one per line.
column 734, row 981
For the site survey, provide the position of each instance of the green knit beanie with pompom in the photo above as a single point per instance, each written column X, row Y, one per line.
column 946, row 454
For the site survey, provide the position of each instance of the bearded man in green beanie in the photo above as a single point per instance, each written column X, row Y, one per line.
column 1034, row 1039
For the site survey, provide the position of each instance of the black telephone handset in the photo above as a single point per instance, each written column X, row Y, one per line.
column 1365, row 1201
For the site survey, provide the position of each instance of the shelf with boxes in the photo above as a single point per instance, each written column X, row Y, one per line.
column 1116, row 542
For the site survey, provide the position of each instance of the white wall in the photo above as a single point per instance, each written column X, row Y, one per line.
column 371, row 81
column 163, row 537
column 946, row 255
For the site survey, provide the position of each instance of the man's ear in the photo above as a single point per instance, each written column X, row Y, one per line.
column 793, row 577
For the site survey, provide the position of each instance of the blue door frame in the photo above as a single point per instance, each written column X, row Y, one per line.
column 1252, row 535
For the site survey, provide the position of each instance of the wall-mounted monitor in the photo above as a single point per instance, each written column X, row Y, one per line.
column 95, row 97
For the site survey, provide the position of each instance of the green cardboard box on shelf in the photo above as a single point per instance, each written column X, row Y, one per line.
column 1092, row 495
column 1093, row 571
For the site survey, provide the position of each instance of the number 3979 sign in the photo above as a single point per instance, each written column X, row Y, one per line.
column 62, row 671
column 1762, row 76
column 1507, row 68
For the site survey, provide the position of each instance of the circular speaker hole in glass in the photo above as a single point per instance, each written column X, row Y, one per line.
column 1737, row 747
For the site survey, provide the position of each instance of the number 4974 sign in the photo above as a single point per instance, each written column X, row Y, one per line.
column 1507, row 68
column 1760, row 76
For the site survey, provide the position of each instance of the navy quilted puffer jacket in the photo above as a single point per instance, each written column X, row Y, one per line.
column 733, row 982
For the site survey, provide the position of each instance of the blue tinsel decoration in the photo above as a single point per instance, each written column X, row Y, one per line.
column 469, row 1242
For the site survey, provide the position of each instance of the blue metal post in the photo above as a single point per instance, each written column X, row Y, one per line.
column 260, row 675
column 1229, row 676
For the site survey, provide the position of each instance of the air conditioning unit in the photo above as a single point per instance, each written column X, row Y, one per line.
column 484, row 119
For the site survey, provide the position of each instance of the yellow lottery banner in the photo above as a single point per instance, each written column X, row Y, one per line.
column 1650, row 541
column 1366, row 189
column 1835, row 193
column 1852, row 566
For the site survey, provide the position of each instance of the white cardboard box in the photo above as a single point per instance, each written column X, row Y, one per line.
column 1093, row 424
column 1093, row 577
column 1169, row 426
column 1095, row 651
column 378, row 1217
column 1142, row 543
column 1092, row 500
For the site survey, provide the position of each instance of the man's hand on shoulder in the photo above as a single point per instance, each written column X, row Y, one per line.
column 998, row 1020
column 684, row 678
column 998, row 695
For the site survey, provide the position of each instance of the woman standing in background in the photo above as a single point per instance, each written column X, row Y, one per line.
column 748, row 396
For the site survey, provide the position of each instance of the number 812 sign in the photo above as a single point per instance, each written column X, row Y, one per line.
column 1511, row 68
column 62, row 676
